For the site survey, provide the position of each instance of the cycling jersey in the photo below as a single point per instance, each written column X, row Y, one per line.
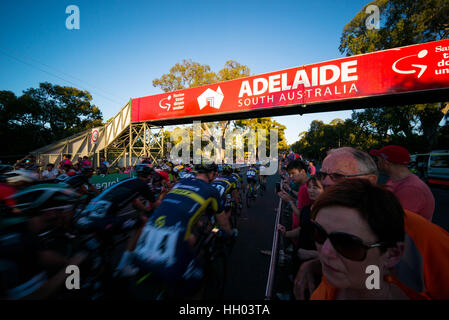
column 76, row 181
column 103, row 209
column 7, row 202
column 251, row 175
column 238, row 179
column 185, row 174
column 224, row 185
column 162, row 247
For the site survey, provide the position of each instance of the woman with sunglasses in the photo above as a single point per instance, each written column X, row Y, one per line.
column 356, row 225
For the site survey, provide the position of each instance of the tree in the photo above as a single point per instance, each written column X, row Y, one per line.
column 403, row 22
column 66, row 110
column 43, row 115
column 189, row 74
column 264, row 124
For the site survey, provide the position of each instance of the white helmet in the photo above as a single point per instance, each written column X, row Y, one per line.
column 21, row 176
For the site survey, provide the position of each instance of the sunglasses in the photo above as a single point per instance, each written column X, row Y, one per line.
column 349, row 246
column 337, row 176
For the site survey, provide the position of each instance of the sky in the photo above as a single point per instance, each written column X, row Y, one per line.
column 122, row 46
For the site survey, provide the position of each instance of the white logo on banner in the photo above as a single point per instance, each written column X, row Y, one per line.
column 95, row 135
column 211, row 98
column 164, row 103
column 422, row 67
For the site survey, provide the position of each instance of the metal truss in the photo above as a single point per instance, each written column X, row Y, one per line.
column 120, row 141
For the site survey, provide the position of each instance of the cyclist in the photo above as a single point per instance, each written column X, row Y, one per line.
column 20, row 179
column 169, row 245
column 103, row 210
column 226, row 184
column 187, row 173
column 239, row 182
column 27, row 267
column 177, row 169
column 252, row 177
column 81, row 181
column 238, row 177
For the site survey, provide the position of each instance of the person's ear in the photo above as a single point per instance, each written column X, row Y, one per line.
column 393, row 255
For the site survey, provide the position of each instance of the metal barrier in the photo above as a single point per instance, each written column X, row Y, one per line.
column 274, row 253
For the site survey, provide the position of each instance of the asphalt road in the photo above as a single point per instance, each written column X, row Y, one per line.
column 247, row 267
column 441, row 213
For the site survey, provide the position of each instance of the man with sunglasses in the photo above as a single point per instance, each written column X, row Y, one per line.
column 425, row 262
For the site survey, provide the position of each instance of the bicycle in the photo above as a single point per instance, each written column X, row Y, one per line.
column 101, row 243
column 212, row 248
column 250, row 195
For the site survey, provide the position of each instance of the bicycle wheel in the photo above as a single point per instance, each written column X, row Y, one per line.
column 261, row 189
column 216, row 278
column 234, row 217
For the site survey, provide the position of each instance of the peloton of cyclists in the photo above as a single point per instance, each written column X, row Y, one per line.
column 170, row 244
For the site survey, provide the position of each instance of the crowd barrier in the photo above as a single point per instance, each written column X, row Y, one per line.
column 104, row 181
column 274, row 254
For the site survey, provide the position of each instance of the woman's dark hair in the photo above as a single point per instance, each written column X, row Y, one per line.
column 378, row 206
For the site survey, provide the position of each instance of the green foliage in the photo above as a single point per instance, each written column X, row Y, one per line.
column 403, row 22
column 43, row 115
column 192, row 74
column 266, row 124
column 189, row 74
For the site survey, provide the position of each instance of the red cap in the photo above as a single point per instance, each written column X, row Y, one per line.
column 394, row 154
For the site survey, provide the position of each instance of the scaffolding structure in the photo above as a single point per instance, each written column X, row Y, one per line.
column 121, row 142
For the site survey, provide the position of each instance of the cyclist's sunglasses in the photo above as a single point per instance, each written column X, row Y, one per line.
column 337, row 176
column 348, row 245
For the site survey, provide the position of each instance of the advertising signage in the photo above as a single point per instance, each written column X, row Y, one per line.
column 410, row 69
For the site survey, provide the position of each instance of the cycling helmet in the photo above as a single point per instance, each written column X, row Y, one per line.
column 4, row 168
column 87, row 169
column 62, row 177
column 156, row 177
column 227, row 169
column 21, row 175
column 165, row 168
column 43, row 197
column 143, row 170
column 206, row 168
column 237, row 170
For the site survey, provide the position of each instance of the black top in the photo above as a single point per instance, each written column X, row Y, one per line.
column 77, row 181
column 306, row 234
column 125, row 191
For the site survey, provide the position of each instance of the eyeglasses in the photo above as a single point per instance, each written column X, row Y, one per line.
column 337, row 176
column 349, row 246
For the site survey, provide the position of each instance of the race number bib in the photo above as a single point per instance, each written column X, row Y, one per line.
column 158, row 245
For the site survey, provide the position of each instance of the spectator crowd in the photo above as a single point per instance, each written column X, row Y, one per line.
column 344, row 225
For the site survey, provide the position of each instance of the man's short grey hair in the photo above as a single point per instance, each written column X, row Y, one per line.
column 365, row 162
